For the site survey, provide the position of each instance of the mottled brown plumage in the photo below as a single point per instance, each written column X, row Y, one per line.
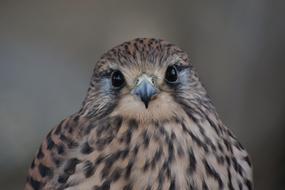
column 146, row 123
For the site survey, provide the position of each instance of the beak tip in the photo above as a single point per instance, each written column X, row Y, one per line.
column 146, row 105
column 145, row 101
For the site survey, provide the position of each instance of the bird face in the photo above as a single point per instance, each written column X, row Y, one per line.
column 145, row 78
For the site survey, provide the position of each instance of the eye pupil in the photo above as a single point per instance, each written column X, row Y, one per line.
column 117, row 79
column 171, row 74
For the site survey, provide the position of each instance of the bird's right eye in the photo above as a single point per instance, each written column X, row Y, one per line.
column 117, row 79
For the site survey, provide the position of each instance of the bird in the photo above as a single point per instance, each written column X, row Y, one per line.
column 146, row 123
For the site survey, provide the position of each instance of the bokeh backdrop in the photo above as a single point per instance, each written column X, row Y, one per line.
column 48, row 50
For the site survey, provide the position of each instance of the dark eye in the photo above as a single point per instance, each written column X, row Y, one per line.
column 171, row 74
column 117, row 79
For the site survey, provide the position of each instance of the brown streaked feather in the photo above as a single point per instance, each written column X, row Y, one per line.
column 54, row 151
column 114, row 142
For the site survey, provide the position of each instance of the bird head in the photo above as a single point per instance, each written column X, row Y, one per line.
column 149, row 79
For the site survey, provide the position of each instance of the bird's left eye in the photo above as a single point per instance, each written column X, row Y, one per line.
column 171, row 74
column 117, row 79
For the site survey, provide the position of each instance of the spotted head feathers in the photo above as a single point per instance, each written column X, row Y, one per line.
column 153, row 59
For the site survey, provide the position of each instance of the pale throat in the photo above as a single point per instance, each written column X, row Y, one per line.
column 162, row 107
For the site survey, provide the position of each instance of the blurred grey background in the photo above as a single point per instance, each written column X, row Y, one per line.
column 48, row 49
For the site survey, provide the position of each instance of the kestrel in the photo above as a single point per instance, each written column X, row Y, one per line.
column 145, row 124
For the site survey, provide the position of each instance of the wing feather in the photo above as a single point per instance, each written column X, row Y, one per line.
column 44, row 172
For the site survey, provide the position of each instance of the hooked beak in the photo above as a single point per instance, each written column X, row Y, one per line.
column 145, row 89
